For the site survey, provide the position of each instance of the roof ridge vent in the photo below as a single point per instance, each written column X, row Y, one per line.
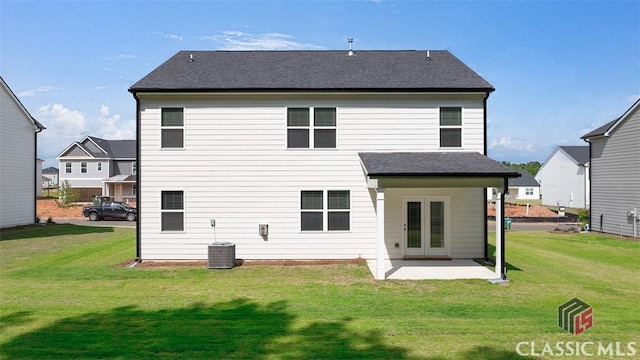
column 350, row 53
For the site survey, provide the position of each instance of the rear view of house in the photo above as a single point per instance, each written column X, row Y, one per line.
column 19, row 176
column 615, row 174
column 314, row 155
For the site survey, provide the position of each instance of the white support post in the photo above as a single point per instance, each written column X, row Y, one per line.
column 499, row 230
column 380, row 272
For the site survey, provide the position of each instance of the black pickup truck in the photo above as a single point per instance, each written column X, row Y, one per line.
column 110, row 209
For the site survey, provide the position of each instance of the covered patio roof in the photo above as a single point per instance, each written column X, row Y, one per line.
column 121, row 179
column 433, row 164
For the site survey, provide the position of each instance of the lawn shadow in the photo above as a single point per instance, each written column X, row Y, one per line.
column 46, row 230
column 488, row 353
column 238, row 329
column 492, row 252
column 15, row 319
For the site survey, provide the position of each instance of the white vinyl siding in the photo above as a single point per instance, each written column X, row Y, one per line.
column 235, row 167
column 17, row 163
column 562, row 181
column 615, row 178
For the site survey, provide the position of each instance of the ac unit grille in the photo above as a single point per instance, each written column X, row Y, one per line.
column 222, row 255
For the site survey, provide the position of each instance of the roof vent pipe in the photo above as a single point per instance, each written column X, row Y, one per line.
column 428, row 55
column 190, row 57
column 350, row 53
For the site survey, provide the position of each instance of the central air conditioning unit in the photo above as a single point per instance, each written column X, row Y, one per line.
column 222, row 255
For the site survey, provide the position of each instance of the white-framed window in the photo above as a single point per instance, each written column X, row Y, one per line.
column 172, row 211
column 99, row 166
column 172, row 128
column 450, row 127
column 528, row 191
column 83, row 167
column 311, row 128
column 67, row 167
column 325, row 210
column 134, row 168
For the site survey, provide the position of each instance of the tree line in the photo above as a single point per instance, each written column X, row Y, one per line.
column 532, row 166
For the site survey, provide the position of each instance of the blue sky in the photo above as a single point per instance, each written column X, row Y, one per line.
column 560, row 69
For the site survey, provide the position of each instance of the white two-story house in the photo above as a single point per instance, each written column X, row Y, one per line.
column 99, row 167
column 377, row 155
column 564, row 177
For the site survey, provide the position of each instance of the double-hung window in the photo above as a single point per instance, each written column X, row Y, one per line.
column 528, row 191
column 325, row 210
column 312, row 128
column 83, row 167
column 172, row 211
column 67, row 167
column 172, row 128
column 134, row 168
column 99, row 166
column 450, row 127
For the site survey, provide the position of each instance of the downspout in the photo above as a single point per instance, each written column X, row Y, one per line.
column 138, row 170
column 590, row 189
column 503, row 271
column 35, row 173
column 484, row 205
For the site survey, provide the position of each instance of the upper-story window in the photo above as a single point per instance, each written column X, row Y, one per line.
column 67, row 167
column 450, row 127
column 312, row 128
column 83, row 167
column 172, row 128
column 134, row 168
column 99, row 166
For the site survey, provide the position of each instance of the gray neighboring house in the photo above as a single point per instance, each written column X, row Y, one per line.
column 615, row 174
column 564, row 177
column 99, row 167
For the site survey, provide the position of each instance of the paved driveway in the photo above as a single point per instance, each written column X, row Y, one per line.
column 87, row 222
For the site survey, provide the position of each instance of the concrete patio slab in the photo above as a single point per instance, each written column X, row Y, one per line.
column 433, row 269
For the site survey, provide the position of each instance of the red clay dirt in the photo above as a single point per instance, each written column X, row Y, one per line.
column 47, row 207
column 511, row 210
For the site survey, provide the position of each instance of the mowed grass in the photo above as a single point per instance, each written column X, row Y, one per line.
column 66, row 294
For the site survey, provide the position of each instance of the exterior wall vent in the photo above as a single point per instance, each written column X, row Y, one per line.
column 222, row 255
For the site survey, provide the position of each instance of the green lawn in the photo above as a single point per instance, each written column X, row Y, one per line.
column 65, row 294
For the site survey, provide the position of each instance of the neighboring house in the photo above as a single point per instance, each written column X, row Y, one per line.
column 564, row 177
column 523, row 188
column 19, row 177
column 39, row 176
column 51, row 173
column 99, row 167
column 615, row 174
column 379, row 155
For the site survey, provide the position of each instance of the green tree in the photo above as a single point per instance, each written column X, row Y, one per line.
column 66, row 195
column 532, row 166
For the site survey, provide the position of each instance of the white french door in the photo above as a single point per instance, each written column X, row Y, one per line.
column 426, row 225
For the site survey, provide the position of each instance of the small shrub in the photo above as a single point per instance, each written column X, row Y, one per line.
column 49, row 220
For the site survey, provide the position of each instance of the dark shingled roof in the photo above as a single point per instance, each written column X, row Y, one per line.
column 118, row 149
column 401, row 70
column 579, row 153
column 600, row 131
column 433, row 164
column 525, row 179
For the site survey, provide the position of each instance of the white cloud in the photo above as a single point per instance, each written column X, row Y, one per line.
column 168, row 36
column 238, row 40
column 506, row 143
column 62, row 120
column 126, row 56
column 34, row 92
column 111, row 127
